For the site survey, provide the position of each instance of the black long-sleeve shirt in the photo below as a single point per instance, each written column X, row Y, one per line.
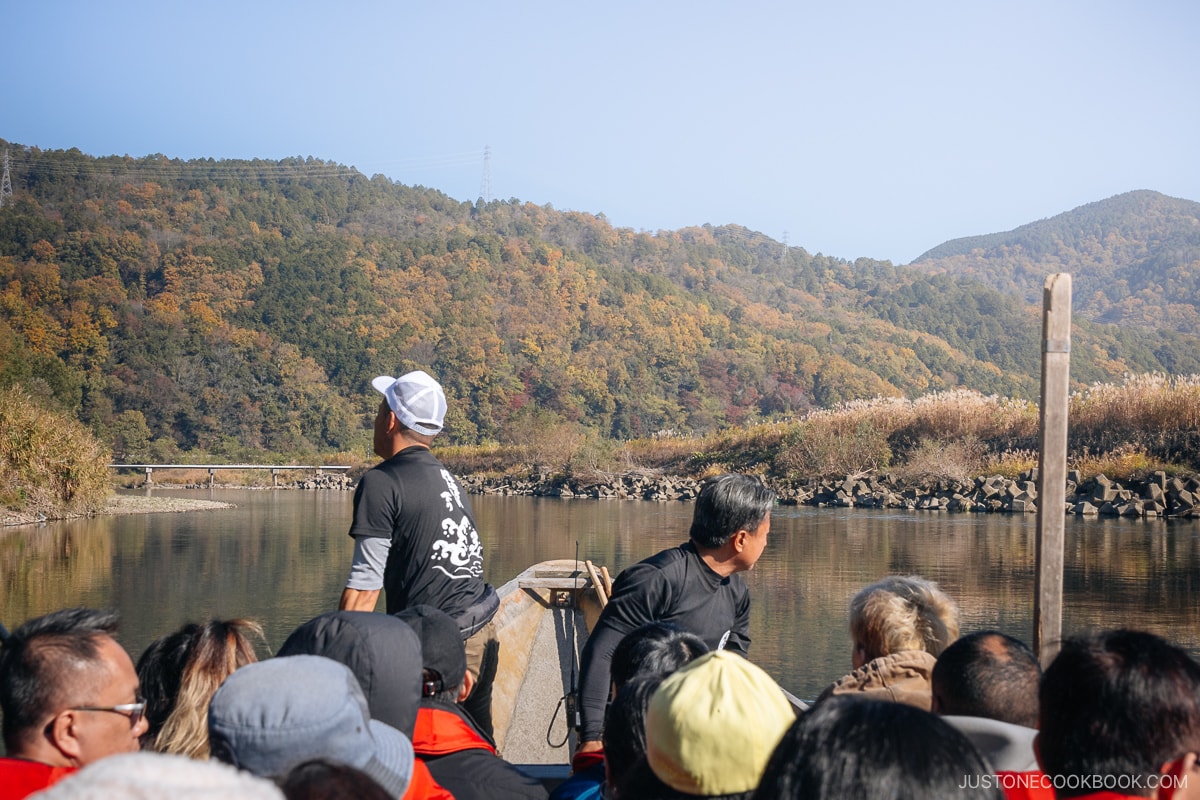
column 673, row 586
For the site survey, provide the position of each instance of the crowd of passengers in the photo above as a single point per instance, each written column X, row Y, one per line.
column 365, row 705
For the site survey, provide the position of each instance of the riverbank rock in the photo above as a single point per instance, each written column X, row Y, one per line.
column 335, row 481
column 617, row 487
column 323, row 480
column 1154, row 496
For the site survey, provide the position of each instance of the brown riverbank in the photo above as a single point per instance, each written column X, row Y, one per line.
column 128, row 504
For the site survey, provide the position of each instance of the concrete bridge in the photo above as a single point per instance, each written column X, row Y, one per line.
column 212, row 469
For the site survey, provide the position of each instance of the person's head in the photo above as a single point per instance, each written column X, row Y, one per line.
column 988, row 674
column 412, row 411
column 320, row 779
column 733, row 511
column 152, row 776
column 68, row 690
column 160, row 671
column 849, row 746
column 270, row 716
column 712, row 725
column 443, row 654
column 656, row 648
column 625, row 730
column 1119, row 703
column 179, row 674
column 901, row 613
column 382, row 652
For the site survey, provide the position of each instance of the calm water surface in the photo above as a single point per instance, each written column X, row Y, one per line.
column 281, row 558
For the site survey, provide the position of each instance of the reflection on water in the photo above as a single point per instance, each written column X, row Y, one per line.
column 281, row 558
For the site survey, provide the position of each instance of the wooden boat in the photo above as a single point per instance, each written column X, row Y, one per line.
column 545, row 614
column 543, row 622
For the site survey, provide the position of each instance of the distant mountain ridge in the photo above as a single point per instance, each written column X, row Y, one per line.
column 240, row 306
column 1134, row 259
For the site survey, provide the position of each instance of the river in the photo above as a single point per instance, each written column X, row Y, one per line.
column 280, row 557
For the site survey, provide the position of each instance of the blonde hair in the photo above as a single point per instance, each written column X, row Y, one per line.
column 217, row 649
column 903, row 613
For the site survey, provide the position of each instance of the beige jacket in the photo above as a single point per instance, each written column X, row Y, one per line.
column 903, row 677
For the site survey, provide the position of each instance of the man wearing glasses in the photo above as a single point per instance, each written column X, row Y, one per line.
column 69, row 695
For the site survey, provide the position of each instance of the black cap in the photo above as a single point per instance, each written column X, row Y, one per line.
column 384, row 655
column 441, row 644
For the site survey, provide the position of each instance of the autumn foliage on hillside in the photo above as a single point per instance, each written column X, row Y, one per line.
column 1135, row 260
column 233, row 308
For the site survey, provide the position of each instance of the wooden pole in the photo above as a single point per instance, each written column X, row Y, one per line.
column 596, row 584
column 1052, row 466
column 608, row 581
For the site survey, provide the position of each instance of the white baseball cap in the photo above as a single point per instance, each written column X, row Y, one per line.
column 416, row 399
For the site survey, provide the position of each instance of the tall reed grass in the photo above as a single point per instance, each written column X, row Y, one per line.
column 1152, row 413
column 1147, row 422
column 50, row 464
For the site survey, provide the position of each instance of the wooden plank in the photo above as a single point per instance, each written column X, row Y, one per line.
column 554, row 582
column 1052, row 465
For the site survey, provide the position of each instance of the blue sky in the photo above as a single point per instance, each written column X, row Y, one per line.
column 875, row 129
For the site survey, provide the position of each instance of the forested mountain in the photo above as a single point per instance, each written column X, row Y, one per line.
column 1134, row 259
column 229, row 306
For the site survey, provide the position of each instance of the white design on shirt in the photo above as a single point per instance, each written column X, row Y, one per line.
column 461, row 554
column 451, row 495
column 724, row 640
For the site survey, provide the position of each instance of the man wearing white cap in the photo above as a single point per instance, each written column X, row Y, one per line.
column 414, row 532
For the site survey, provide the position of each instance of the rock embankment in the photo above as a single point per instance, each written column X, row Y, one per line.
column 337, row 481
column 616, row 487
column 324, row 480
column 1155, row 496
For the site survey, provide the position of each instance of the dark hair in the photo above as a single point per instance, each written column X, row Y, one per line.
column 423, row 437
column 625, row 729
column 159, row 670
column 988, row 674
column 727, row 504
column 318, row 779
column 1119, row 703
column 642, row 784
column 656, row 648
column 854, row 747
column 41, row 659
column 179, row 674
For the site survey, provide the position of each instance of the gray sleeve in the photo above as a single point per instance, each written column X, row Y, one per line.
column 370, row 556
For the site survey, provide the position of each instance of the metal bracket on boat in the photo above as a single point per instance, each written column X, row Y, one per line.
column 563, row 598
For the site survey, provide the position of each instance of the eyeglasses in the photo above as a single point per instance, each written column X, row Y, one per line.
column 135, row 711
